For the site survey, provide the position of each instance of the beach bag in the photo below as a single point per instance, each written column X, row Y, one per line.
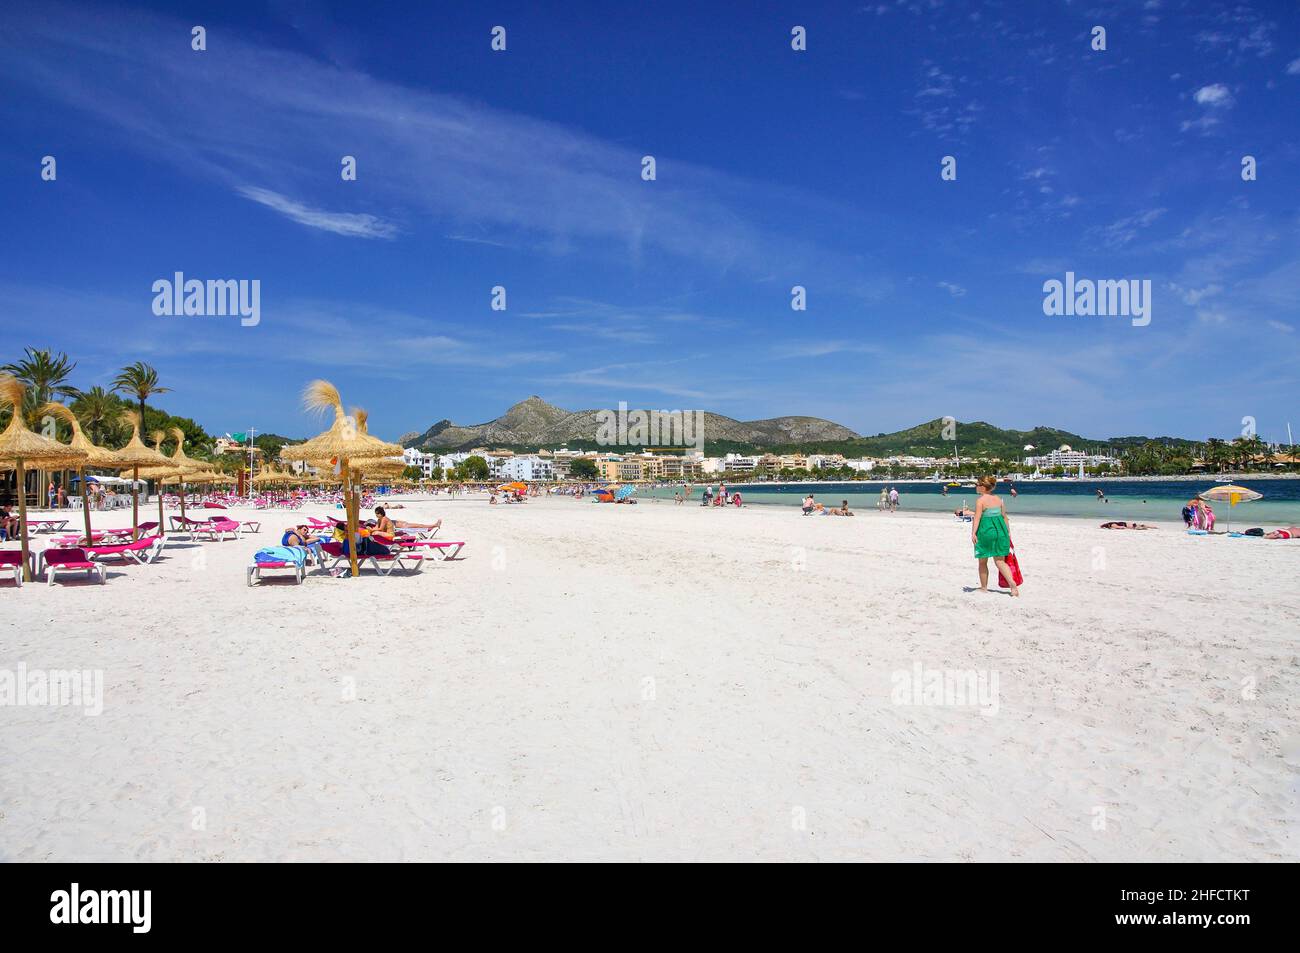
column 1013, row 564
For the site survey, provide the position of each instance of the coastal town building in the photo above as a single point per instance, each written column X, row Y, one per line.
column 1070, row 459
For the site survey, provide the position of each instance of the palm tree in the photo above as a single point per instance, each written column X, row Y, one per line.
column 44, row 373
column 140, row 381
column 1216, row 453
column 97, row 409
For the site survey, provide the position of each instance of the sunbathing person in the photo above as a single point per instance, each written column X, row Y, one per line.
column 965, row 513
column 1289, row 532
column 299, row 537
column 387, row 527
column 1119, row 524
column 843, row 510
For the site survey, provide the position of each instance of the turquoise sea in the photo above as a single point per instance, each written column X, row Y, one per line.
column 1153, row 500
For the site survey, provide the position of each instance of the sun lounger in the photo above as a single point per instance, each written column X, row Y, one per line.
column 47, row 526
column 218, row 529
column 255, row 570
column 252, row 526
column 62, row 542
column 188, row 527
column 11, row 560
column 442, row 550
column 71, row 560
column 143, row 551
column 384, row 565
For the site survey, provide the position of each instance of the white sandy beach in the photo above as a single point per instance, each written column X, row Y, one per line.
column 595, row 682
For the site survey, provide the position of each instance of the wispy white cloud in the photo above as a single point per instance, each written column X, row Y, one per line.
column 353, row 225
column 256, row 118
column 1216, row 95
column 800, row 349
column 1122, row 231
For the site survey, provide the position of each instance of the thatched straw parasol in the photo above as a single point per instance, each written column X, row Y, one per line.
column 158, row 474
column 132, row 457
column 96, row 456
column 19, row 447
column 183, row 465
column 344, row 441
column 274, row 477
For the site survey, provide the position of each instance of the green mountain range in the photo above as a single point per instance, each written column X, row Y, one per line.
column 534, row 424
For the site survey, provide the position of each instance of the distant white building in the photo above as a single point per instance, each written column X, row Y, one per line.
column 738, row 463
column 1069, row 458
column 523, row 468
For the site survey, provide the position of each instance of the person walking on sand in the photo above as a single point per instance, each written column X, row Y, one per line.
column 893, row 499
column 990, row 533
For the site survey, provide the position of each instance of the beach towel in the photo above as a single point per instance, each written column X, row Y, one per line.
column 1013, row 564
column 280, row 554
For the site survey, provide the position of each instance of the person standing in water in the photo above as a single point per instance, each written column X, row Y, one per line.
column 991, row 535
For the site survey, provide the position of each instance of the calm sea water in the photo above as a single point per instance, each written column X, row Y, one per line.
column 1153, row 500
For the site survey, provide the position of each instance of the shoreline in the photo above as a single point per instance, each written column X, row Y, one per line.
column 1184, row 478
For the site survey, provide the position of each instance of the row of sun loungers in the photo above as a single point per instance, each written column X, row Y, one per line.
column 76, row 554
column 402, row 555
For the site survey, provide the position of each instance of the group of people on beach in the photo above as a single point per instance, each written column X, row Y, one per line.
column 812, row 508
column 373, row 536
column 1198, row 514
column 717, row 499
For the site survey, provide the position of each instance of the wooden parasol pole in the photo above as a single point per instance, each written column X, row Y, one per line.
column 22, row 517
column 135, row 503
column 351, row 518
column 85, row 505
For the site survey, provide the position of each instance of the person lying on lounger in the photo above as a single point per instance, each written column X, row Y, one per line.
column 301, row 537
column 298, row 536
column 388, row 527
column 1117, row 524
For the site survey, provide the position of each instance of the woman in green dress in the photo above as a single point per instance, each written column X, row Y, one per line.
column 989, row 531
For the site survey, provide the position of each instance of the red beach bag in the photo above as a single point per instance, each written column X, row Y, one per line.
column 1014, row 565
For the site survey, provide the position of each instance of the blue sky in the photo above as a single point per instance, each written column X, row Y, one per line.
column 775, row 168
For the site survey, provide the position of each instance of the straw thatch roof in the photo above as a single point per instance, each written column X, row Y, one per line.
column 19, row 443
column 345, row 439
column 96, row 456
column 380, row 466
column 273, row 477
column 135, row 453
column 157, row 473
column 203, row 476
column 180, row 461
